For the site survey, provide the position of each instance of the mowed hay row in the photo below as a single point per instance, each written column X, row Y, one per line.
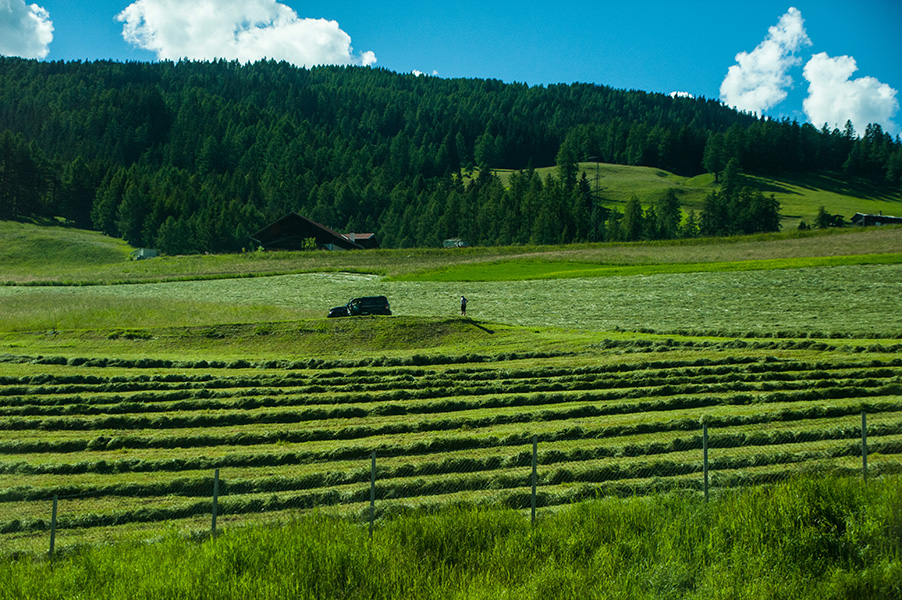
column 227, row 402
column 129, row 450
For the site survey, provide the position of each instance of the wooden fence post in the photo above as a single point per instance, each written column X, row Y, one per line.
column 53, row 527
column 705, row 452
column 864, row 445
column 215, row 497
column 535, row 447
column 372, row 494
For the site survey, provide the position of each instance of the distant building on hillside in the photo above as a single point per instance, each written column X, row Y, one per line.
column 144, row 253
column 291, row 231
column 454, row 243
column 879, row 219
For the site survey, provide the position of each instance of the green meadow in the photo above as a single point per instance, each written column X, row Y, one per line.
column 800, row 196
column 808, row 539
column 124, row 384
column 518, row 270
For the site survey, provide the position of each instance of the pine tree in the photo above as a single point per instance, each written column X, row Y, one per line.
column 633, row 223
column 78, row 190
column 667, row 213
column 714, row 158
column 715, row 219
column 689, row 228
column 132, row 212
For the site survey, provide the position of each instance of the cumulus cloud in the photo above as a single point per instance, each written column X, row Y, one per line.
column 834, row 98
column 681, row 95
column 25, row 29
column 243, row 30
column 759, row 79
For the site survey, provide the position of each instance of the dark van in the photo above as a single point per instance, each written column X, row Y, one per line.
column 367, row 305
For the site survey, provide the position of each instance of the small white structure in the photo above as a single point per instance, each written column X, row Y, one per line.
column 142, row 253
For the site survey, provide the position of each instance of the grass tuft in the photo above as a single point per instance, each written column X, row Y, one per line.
column 810, row 537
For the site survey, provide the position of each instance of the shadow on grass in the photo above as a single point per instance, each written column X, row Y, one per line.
column 857, row 187
column 477, row 325
column 772, row 187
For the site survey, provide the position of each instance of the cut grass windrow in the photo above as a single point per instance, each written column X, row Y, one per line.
column 289, row 440
column 595, row 405
column 454, row 465
column 813, row 414
column 420, row 487
column 244, row 395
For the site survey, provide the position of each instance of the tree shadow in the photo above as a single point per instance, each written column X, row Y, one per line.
column 856, row 187
column 774, row 188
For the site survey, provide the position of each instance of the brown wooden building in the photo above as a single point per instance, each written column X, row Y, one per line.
column 871, row 220
column 289, row 233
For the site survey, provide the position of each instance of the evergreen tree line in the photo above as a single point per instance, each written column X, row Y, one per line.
column 563, row 208
column 194, row 156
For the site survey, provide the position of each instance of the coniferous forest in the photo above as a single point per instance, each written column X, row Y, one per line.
column 195, row 156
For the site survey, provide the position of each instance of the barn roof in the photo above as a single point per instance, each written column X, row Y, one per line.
column 881, row 219
column 289, row 233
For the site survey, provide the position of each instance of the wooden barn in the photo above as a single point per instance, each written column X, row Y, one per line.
column 871, row 220
column 289, row 233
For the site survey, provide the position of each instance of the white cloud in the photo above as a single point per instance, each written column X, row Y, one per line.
column 25, row 30
column 681, row 95
column 420, row 73
column 243, row 30
column 834, row 98
column 759, row 79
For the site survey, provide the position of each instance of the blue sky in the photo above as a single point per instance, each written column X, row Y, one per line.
column 811, row 60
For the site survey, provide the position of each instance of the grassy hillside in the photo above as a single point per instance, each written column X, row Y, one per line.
column 617, row 183
column 800, row 196
column 28, row 250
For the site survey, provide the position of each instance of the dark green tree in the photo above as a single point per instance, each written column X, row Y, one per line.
column 732, row 177
column 132, row 212
column 668, row 216
column 633, row 223
column 823, row 219
column 715, row 218
column 689, row 228
column 77, row 193
column 715, row 158
column 105, row 209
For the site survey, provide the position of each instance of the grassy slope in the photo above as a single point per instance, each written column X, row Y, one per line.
column 799, row 196
column 617, row 183
column 27, row 250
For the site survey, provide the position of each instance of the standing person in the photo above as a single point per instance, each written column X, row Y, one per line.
column 463, row 306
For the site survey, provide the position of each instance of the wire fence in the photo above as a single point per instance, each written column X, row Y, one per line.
column 524, row 477
column 97, row 459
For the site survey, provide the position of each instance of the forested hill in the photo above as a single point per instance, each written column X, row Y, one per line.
column 195, row 156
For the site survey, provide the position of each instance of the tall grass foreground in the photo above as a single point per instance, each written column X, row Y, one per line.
column 809, row 537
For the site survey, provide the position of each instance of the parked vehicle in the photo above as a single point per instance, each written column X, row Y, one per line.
column 367, row 305
column 338, row 311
